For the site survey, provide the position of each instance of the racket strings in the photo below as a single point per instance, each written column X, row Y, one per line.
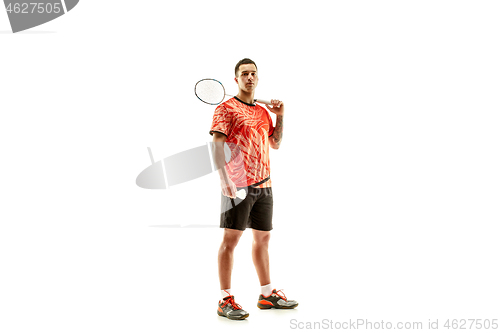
column 210, row 91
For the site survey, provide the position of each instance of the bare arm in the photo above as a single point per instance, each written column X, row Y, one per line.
column 278, row 108
column 227, row 185
column 275, row 139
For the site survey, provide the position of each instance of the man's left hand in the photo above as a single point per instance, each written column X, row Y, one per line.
column 277, row 107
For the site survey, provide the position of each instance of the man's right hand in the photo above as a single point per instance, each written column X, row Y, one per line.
column 228, row 188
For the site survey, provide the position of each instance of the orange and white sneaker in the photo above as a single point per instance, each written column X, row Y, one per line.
column 230, row 309
column 276, row 300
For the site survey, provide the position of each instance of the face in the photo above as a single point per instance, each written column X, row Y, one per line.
column 247, row 77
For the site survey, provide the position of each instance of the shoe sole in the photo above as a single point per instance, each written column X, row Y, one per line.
column 233, row 318
column 266, row 307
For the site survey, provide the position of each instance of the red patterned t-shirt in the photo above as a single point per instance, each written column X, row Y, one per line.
column 248, row 128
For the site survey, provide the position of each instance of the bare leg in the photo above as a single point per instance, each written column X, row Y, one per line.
column 260, row 255
column 225, row 259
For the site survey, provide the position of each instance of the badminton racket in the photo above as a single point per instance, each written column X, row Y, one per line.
column 212, row 92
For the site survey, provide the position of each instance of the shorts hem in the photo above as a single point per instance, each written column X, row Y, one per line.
column 233, row 228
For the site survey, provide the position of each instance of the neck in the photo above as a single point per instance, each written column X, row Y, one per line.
column 246, row 97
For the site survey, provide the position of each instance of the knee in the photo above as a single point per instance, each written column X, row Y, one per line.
column 229, row 244
column 262, row 240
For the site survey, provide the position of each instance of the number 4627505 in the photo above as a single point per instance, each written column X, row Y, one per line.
column 471, row 323
column 33, row 7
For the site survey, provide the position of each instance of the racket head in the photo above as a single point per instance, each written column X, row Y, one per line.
column 210, row 91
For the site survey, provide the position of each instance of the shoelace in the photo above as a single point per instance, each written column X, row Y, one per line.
column 282, row 295
column 231, row 301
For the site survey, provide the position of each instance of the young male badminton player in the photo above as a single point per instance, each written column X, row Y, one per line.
column 241, row 122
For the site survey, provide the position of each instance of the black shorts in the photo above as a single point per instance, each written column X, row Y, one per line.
column 255, row 211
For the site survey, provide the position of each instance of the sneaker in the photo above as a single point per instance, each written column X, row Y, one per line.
column 276, row 300
column 230, row 309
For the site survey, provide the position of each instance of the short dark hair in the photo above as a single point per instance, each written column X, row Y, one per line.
column 244, row 61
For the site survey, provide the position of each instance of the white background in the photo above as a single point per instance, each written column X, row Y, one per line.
column 386, row 186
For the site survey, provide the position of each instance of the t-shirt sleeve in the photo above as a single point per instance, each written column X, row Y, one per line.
column 222, row 121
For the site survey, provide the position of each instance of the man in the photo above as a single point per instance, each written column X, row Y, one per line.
column 241, row 123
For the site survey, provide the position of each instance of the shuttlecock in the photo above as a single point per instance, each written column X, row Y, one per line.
column 242, row 194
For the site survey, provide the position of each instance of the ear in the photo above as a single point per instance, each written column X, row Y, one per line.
column 236, row 80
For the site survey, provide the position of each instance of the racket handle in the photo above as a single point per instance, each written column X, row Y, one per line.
column 263, row 101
